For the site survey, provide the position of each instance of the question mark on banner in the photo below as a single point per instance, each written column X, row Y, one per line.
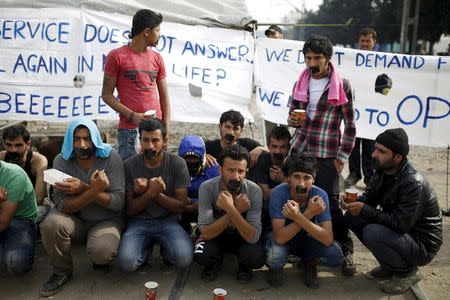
column 221, row 74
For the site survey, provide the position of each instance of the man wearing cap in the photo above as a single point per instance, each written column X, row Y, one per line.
column 139, row 75
column 274, row 32
column 398, row 216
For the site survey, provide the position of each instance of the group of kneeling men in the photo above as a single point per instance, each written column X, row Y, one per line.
column 261, row 205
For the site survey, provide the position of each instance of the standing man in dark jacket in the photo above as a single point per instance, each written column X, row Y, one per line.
column 406, row 230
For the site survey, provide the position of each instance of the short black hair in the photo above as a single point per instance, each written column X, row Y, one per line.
column 14, row 132
column 318, row 44
column 144, row 18
column 367, row 31
column 272, row 29
column 235, row 152
column 303, row 162
column 234, row 117
column 152, row 125
column 279, row 133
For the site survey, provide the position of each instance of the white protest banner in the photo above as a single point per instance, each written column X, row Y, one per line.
column 419, row 100
column 46, row 53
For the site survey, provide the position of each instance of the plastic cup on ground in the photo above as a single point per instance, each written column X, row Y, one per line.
column 219, row 294
column 151, row 288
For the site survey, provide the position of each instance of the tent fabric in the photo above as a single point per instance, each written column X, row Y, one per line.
column 216, row 13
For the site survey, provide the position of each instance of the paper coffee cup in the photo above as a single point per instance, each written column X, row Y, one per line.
column 351, row 195
column 219, row 294
column 151, row 288
column 151, row 113
column 298, row 113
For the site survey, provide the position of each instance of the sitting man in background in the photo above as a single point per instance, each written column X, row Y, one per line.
column 156, row 194
column 398, row 217
column 88, row 205
column 229, row 218
column 301, row 224
column 272, row 167
column 193, row 150
column 18, row 151
column 231, row 126
column 17, row 219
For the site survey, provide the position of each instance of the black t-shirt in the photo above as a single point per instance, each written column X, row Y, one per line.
column 214, row 148
column 262, row 170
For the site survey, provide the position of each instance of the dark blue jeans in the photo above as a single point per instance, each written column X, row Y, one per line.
column 18, row 242
column 304, row 246
column 141, row 234
column 127, row 142
column 397, row 252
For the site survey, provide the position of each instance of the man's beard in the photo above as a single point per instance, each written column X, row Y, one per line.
column 386, row 166
column 83, row 153
column 15, row 156
column 229, row 138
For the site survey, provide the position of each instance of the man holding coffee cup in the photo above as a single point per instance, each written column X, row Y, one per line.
column 327, row 101
column 406, row 230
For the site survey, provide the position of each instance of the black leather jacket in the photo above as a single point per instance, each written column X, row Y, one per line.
column 408, row 204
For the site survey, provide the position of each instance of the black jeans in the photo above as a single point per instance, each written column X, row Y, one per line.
column 327, row 179
column 354, row 161
column 208, row 253
column 397, row 252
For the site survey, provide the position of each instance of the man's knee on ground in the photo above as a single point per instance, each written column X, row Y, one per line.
column 18, row 262
column 102, row 253
column 276, row 255
column 128, row 262
column 252, row 255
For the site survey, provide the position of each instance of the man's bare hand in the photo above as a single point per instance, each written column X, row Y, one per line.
column 99, row 181
column 156, row 186
column 291, row 209
column 210, row 160
column 225, row 201
column 339, row 165
column 276, row 174
column 316, row 206
column 137, row 118
column 140, row 185
column 3, row 194
column 242, row 203
column 71, row 186
column 355, row 208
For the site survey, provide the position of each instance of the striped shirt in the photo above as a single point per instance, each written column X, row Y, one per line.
column 321, row 136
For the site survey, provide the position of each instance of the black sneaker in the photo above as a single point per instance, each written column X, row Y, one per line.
column 166, row 267
column 348, row 266
column 311, row 280
column 244, row 274
column 379, row 273
column 101, row 268
column 275, row 277
column 54, row 284
column 399, row 284
column 210, row 273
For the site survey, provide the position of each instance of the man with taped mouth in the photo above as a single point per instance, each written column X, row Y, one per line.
column 229, row 218
column 88, row 205
column 231, row 126
column 156, row 195
column 301, row 224
column 328, row 101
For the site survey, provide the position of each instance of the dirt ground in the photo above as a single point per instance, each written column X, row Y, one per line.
column 89, row 284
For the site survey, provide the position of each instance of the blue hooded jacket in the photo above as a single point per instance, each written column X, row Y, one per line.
column 194, row 145
column 102, row 150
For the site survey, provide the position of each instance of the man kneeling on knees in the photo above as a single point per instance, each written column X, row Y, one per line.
column 301, row 224
column 398, row 216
